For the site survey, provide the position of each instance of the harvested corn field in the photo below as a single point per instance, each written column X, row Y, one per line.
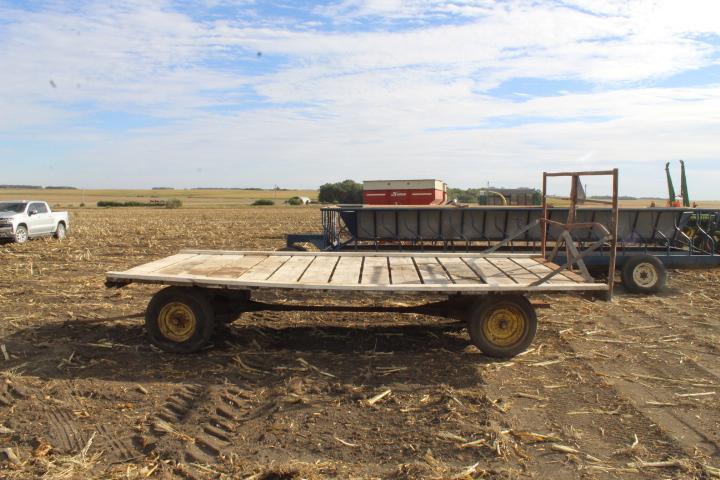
column 627, row 389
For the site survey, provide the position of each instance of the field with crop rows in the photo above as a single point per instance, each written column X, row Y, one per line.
column 627, row 389
column 63, row 198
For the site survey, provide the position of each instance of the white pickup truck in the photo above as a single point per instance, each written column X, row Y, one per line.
column 21, row 220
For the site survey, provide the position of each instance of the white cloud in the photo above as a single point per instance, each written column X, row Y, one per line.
column 388, row 88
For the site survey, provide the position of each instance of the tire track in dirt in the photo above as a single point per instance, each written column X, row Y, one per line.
column 64, row 433
column 204, row 419
column 117, row 445
column 706, row 361
column 553, row 390
column 180, row 403
column 213, row 434
column 661, row 386
column 64, row 421
column 699, row 327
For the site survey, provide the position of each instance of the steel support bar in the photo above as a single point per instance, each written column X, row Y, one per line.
column 582, row 174
column 513, row 236
column 577, row 259
column 571, row 252
column 587, row 200
column 571, row 261
column 613, row 232
column 543, row 238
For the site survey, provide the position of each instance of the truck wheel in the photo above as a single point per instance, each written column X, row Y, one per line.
column 21, row 234
column 502, row 325
column 60, row 231
column 180, row 320
column 644, row 274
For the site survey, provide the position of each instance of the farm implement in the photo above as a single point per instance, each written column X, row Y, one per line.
column 648, row 239
column 206, row 288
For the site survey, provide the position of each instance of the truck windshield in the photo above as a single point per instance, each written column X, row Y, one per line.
column 17, row 207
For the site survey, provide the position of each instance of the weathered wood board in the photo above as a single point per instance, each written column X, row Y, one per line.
column 370, row 271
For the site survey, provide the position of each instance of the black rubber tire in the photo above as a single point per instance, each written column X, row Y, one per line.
column 24, row 236
column 652, row 269
column 481, row 312
column 60, row 231
column 194, row 298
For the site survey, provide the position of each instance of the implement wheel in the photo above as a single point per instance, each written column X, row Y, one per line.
column 502, row 325
column 180, row 320
column 644, row 274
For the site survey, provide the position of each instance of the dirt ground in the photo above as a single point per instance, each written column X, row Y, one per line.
column 627, row 389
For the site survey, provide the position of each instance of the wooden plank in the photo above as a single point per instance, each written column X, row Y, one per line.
column 320, row 270
column 403, row 271
column 410, row 288
column 375, row 271
column 533, row 266
column 210, row 265
column 291, row 270
column 565, row 272
column 431, row 271
column 182, row 267
column 347, row 271
column 459, row 271
column 488, row 271
column 361, row 253
column 517, row 272
column 265, row 268
column 541, row 270
column 238, row 266
column 162, row 263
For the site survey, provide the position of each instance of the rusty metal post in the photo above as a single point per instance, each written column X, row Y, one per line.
column 543, row 223
column 572, row 211
column 573, row 200
column 613, row 232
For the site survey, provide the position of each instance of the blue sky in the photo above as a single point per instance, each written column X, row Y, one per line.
column 298, row 93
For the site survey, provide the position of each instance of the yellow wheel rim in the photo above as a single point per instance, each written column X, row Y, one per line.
column 505, row 325
column 177, row 322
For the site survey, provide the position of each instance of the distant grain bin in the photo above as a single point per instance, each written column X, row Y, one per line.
column 404, row 192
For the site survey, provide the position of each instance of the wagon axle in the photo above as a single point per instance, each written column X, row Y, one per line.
column 183, row 319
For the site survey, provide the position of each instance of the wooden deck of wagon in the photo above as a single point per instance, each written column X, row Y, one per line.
column 368, row 271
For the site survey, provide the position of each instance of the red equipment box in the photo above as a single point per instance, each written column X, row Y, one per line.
column 404, row 192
